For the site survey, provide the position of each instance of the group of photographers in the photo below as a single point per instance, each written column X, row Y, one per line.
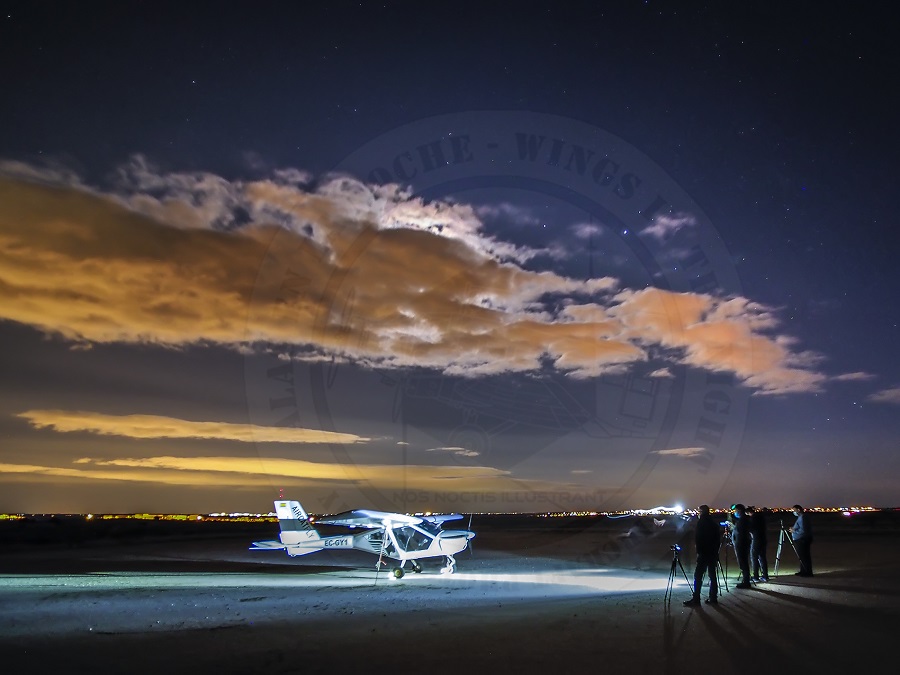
column 745, row 528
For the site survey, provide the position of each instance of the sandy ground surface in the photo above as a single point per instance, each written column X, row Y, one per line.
column 533, row 596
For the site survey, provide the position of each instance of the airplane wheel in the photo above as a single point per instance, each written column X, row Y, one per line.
column 398, row 573
column 417, row 568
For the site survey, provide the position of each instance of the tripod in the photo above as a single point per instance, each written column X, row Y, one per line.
column 726, row 542
column 676, row 562
column 782, row 535
column 722, row 572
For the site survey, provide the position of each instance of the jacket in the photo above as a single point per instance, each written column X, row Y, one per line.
column 707, row 537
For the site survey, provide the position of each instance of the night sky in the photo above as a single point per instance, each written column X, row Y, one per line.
column 447, row 256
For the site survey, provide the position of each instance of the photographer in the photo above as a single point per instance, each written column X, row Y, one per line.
column 706, row 539
column 740, row 538
column 802, row 535
column 758, row 542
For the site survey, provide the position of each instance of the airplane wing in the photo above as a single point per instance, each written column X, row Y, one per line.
column 270, row 545
column 367, row 518
column 442, row 518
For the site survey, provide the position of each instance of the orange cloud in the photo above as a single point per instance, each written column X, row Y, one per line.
column 153, row 426
column 35, row 473
column 365, row 273
column 719, row 334
column 261, row 471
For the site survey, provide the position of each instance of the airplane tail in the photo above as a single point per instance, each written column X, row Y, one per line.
column 296, row 530
column 297, row 536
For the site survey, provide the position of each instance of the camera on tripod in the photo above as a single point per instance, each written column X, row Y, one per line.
column 676, row 563
column 726, row 533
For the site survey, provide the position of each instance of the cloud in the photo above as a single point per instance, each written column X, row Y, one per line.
column 264, row 471
column 588, row 230
column 153, row 426
column 664, row 226
column 686, row 453
column 661, row 372
column 49, row 174
column 462, row 452
column 337, row 268
column 34, row 473
column 853, row 377
column 891, row 396
column 509, row 212
column 719, row 334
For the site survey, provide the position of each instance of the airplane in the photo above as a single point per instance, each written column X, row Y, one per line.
column 395, row 536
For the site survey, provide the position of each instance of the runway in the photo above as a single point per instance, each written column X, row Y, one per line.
column 524, row 601
column 117, row 601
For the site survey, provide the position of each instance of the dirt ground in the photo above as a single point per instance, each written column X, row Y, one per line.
column 534, row 595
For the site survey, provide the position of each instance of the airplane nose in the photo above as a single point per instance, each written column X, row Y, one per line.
column 454, row 541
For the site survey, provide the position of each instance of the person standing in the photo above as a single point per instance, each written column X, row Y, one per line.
column 758, row 542
column 740, row 539
column 802, row 535
column 706, row 540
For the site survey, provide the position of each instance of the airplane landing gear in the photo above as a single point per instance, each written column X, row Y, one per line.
column 397, row 572
column 416, row 567
column 450, row 567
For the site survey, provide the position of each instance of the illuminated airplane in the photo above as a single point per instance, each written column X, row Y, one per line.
column 395, row 536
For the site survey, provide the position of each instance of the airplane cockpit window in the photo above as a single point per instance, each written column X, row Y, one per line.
column 380, row 543
column 411, row 539
column 431, row 528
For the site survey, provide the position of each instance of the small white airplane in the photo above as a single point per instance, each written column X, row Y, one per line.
column 395, row 536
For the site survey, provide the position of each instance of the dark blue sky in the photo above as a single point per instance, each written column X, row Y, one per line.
column 768, row 128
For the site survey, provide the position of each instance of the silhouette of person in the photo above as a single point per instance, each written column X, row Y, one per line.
column 706, row 540
column 740, row 539
column 802, row 534
column 758, row 542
